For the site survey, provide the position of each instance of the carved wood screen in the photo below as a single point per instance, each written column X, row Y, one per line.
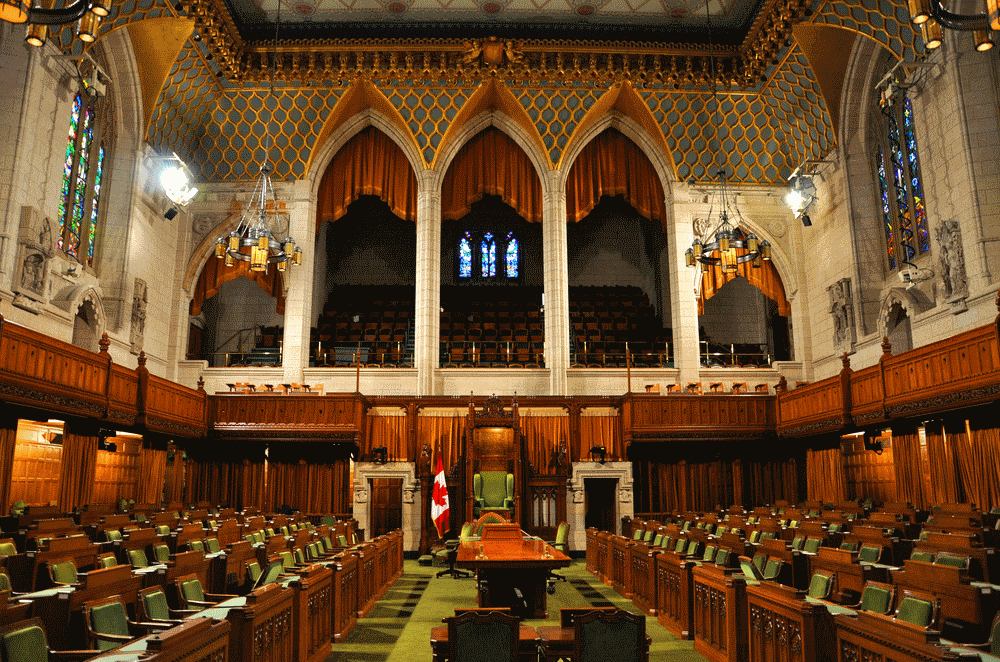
column 493, row 443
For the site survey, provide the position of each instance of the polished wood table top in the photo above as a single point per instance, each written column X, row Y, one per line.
column 524, row 553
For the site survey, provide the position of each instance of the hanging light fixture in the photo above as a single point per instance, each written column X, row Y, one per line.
column 256, row 237
column 728, row 246
column 932, row 16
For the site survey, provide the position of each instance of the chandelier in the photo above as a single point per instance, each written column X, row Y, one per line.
column 728, row 246
column 931, row 16
column 255, row 239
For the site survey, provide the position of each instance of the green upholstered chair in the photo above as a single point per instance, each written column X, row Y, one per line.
column 5, row 584
column 137, row 558
column 342, row 541
column 749, row 569
column 196, row 546
column 161, row 553
column 793, row 524
column 812, row 545
column 267, row 532
column 686, row 526
column 797, row 542
column 327, row 520
column 772, row 568
column 667, row 543
column 700, row 525
column 112, row 535
column 254, row 572
column 62, row 573
column 140, row 518
column 849, row 546
column 483, row 636
column 250, row 539
column 926, row 557
column 300, row 557
column 953, row 560
column 709, row 554
column 108, row 626
column 876, row 597
column 212, row 546
column 681, row 547
column 760, row 561
column 693, row 548
column 492, row 490
column 107, row 560
column 648, row 535
column 767, row 535
column 327, row 543
column 870, row 553
column 271, row 575
column 819, row 586
column 284, row 531
column 916, row 609
column 722, row 556
column 657, row 539
column 258, row 536
column 722, row 529
column 17, row 508
column 192, row 596
column 754, row 537
column 152, row 607
column 710, row 527
column 637, row 534
column 25, row 641
column 287, row 560
column 992, row 644
column 294, row 528
column 834, row 528
column 163, row 530
column 7, row 548
column 610, row 636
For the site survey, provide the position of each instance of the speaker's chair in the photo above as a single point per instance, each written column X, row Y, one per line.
column 493, row 490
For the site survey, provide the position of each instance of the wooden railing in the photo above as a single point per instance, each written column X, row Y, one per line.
column 328, row 417
column 654, row 417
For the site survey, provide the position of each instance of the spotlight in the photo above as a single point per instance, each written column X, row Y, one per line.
column 601, row 452
column 806, row 221
column 170, row 213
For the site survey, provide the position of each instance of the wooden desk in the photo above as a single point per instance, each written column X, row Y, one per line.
column 969, row 603
column 867, row 636
column 785, row 626
column 720, row 613
column 675, row 593
column 503, row 566
column 849, row 575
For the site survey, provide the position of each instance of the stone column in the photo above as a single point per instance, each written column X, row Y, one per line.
column 301, row 209
column 683, row 304
column 427, row 297
column 555, row 267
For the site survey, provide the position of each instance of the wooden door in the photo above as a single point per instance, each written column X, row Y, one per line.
column 599, row 502
column 386, row 505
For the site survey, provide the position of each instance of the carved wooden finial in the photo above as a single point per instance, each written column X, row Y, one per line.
column 104, row 343
column 201, row 383
column 845, row 361
column 782, row 385
column 886, row 345
column 142, row 359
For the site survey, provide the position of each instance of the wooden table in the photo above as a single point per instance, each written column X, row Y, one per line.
column 510, row 565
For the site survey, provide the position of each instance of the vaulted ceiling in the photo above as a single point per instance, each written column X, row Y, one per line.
column 206, row 68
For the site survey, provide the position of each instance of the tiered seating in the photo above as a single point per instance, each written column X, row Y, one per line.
column 491, row 327
column 604, row 319
column 367, row 324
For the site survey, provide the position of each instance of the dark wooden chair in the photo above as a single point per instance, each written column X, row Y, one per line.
column 610, row 636
column 477, row 636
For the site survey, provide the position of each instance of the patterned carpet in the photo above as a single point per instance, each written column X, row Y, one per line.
column 398, row 627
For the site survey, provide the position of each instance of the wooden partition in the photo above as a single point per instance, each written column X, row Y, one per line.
column 675, row 593
column 262, row 628
column 345, row 595
column 784, row 626
column 35, row 474
column 313, row 614
column 655, row 417
column 720, row 614
column 865, row 636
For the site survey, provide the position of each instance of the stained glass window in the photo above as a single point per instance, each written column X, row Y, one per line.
column 901, row 195
column 512, row 255
column 465, row 256
column 79, row 199
column 489, row 255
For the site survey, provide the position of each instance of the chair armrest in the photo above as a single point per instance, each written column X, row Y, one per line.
column 200, row 603
column 182, row 613
column 112, row 637
column 220, row 597
column 150, row 625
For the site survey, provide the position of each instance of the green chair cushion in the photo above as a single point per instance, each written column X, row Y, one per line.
column 709, row 554
column 637, row 534
column 156, row 606
column 812, row 545
column 483, row 642
column 253, row 569
column 25, row 645
column 797, row 542
column 722, row 556
column 196, row 545
column 112, row 535
column 63, row 572
column 926, row 557
column 953, row 561
column 212, row 545
column 7, row 549
column 772, row 568
column 849, row 546
column 108, row 561
column 191, row 589
column 342, row 541
column 161, row 553
column 163, row 530
column 916, row 611
column 875, row 599
column 137, row 558
column 609, row 642
column 109, row 618
column 819, row 586
column 657, row 539
column 870, row 554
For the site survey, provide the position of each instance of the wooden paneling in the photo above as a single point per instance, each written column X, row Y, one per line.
column 173, row 409
column 288, row 416
column 664, row 416
column 35, row 476
column 818, row 407
column 867, row 396
column 117, row 474
column 784, row 627
column 868, row 474
column 123, row 395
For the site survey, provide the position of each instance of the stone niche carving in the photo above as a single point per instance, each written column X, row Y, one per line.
column 410, row 506
column 842, row 311
column 951, row 262
column 139, row 302
column 576, row 513
column 34, row 260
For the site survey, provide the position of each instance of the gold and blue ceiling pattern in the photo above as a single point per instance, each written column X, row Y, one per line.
column 761, row 129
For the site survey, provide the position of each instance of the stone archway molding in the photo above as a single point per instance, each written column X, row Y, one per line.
column 411, row 497
column 576, row 513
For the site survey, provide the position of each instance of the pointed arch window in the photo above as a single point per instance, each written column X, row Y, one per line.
column 80, row 195
column 901, row 202
column 497, row 258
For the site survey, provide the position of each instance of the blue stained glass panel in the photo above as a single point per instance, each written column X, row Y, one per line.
column 919, row 207
column 64, row 198
column 95, row 205
column 512, row 255
column 899, row 186
column 890, row 243
column 465, row 256
column 488, row 248
column 80, row 187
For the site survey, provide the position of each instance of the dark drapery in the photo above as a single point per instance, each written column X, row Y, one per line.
column 78, row 466
column 825, row 475
column 8, row 441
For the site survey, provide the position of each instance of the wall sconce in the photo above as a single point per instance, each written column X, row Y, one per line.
column 601, row 452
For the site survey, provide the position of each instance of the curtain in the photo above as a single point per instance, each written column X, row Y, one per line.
column 443, row 434
column 611, row 164
column 253, row 484
column 152, row 473
column 216, row 273
column 599, row 427
column 370, row 163
column 78, row 467
column 945, row 484
column 8, row 441
column 765, row 278
column 769, row 482
column 491, row 163
column 544, row 432
column 977, row 452
column 306, row 487
column 825, row 475
column 910, row 485
column 389, row 427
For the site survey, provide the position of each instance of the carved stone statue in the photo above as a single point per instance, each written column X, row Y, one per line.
column 842, row 310
column 951, row 259
column 33, row 273
column 139, row 302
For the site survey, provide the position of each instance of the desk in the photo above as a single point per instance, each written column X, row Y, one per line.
column 508, row 565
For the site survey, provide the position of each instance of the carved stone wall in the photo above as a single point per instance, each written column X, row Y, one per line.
column 576, row 513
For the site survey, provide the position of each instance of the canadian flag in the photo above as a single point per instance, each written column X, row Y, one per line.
column 439, row 500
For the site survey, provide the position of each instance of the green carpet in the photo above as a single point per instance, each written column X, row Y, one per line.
column 398, row 628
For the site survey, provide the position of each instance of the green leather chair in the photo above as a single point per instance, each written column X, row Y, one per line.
column 196, row 545
column 191, row 595
column 953, row 560
column 870, row 554
column 722, row 556
column 7, row 549
column 254, row 572
column 107, row 560
column 112, row 535
column 926, row 557
column 709, row 555
column 917, row 610
column 137, row 558
column 212, row 546
column 152, row 607
column 876, row 598
column 797, row 542
column 849, row 546
column 24, row 641
column 17, row 508
column 162, row 530
column 161, row 553
column 62, row 573
column 772, row 569
column 476, row 636
column 819, row 586
column 492, row 490
column 108, row 626
column 812, row 545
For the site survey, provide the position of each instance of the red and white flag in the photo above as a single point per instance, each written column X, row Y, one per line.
column 439, row 500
